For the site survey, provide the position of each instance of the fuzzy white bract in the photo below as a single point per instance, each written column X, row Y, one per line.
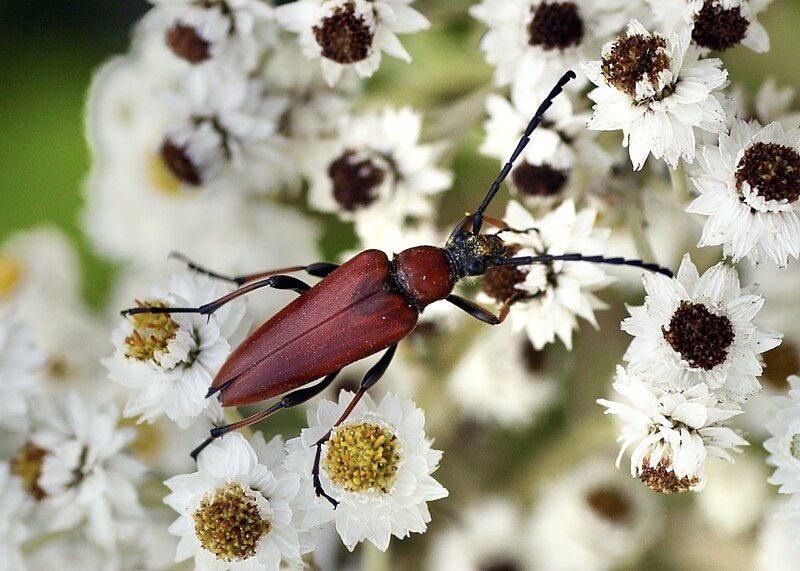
column 235, row 511
column 699, row 329
column 550, row 297
column 378, row 465
column 749, row 188
column 351, row 34
column 168, row 361
column 20, row 362
column 657, row 90
column 671, row 431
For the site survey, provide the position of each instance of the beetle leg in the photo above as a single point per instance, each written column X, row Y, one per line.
column 288, row 401
column 373, row 376
column 318, row 269
column 484, row 314
column 277, row 282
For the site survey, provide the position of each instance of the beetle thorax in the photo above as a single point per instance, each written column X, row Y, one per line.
column 425, row 274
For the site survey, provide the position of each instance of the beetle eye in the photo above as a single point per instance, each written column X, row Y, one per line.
column 476, row 267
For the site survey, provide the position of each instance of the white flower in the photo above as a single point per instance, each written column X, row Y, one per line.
column 784, row 445
column 657, row 90
column 773, row 103
column 235, row 511
column 592, row 517
column 230, row 33
column 350, row 33
column 778, row 548
column 671, row 431
column 556, row 294
column 501, row 378
column 715, row 24
column 696, row 328
column 20, row 363
column 532, row 42
column 749, row 187
column 391, row 500
column 168, row 361
column 487, row 536
column 14, row 509
column 376, row 171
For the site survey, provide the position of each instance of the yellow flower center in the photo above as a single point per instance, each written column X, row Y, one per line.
column 228, row 523
column 152, row 332
column 10, row 274
column 162, row 177
column 27, row 464
column 361, row 457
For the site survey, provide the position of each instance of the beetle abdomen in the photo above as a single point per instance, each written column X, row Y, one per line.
column 425, row 274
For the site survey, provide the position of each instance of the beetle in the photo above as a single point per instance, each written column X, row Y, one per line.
column 366, row 305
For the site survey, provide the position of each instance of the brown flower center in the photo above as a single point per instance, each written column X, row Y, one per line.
column 500, row 564
column 609, row 503
column 633, row 59
column 355, row 181
column 771, row 170
column 538, row 180
column 718, row 28
column 702, row 338
column 361, row 457
column 663, row 480
column 556, row 25
column 27, row 464
column 343, row 36
column 177, row 160
column 499, row 281
column 228, row 523
column 187, row 43
column 151, row 333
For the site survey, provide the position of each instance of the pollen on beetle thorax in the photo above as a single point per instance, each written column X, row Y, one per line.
column 609, row 503
column 636, row 58
column 355, row 180
column 538, row 180
column 27, row 465
column 228, row 523
column 719, row 28
column 187, row 43
column 361, row 457
column 771, row 170
column 176, row 158
column 663, row 480
column 10, row 275
column 700, row 337
column 344, row 36
column 152, row 333
column 555, row 26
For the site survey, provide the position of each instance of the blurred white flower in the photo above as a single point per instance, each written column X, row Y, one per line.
column 168, row 361
column 784, row 444
column 235, row 511
column 592, row 518
column 487, row 536
column 377, row 465
column 347, row 34
column 501, row 378
column 773, row 103
column 14, row 510
column 749, row 187
column 699, row 329
column 657, row 90
column 671, row 431
column 553, row 296
column 777, row 548
column 532, row 42
column 20, row 363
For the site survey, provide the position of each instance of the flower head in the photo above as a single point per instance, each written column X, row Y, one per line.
column 20, row 361
column 784, row 444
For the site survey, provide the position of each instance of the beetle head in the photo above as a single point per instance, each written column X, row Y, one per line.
column 473, row 254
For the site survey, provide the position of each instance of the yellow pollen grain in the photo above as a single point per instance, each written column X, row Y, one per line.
column 362, row 457
column 151, row 333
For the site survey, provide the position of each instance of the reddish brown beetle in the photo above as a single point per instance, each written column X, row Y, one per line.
column 364, row 306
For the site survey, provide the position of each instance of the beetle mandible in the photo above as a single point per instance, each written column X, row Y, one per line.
column 366, row 305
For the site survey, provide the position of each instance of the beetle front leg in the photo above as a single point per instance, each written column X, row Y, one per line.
column 373, row 376
column 483, row 314
column 318, row 269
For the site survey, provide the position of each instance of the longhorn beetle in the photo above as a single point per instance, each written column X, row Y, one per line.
column 368, row 304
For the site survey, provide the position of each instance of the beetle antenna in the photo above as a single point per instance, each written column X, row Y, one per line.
column 549, row 258
column 477, row 217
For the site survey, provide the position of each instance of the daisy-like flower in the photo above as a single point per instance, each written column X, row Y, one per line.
column 20, row 363
column 378, row 465
column 592, row 517
column 235, row 511
column 784, row 444
column 749, row 187
column 777, row 542
column 168, row 361
column 14, row 509
column 699, row 329
column 716, row 25
column 549, row 297
column 657, row 90
column 532, row 42
column 672, row 431
column 376, row 170
column 74, row 465
column 350, row 33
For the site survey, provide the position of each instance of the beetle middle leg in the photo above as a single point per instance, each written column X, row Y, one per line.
column 287, row 401
column 373, row 376
column 483, row 314
column 317, row 269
